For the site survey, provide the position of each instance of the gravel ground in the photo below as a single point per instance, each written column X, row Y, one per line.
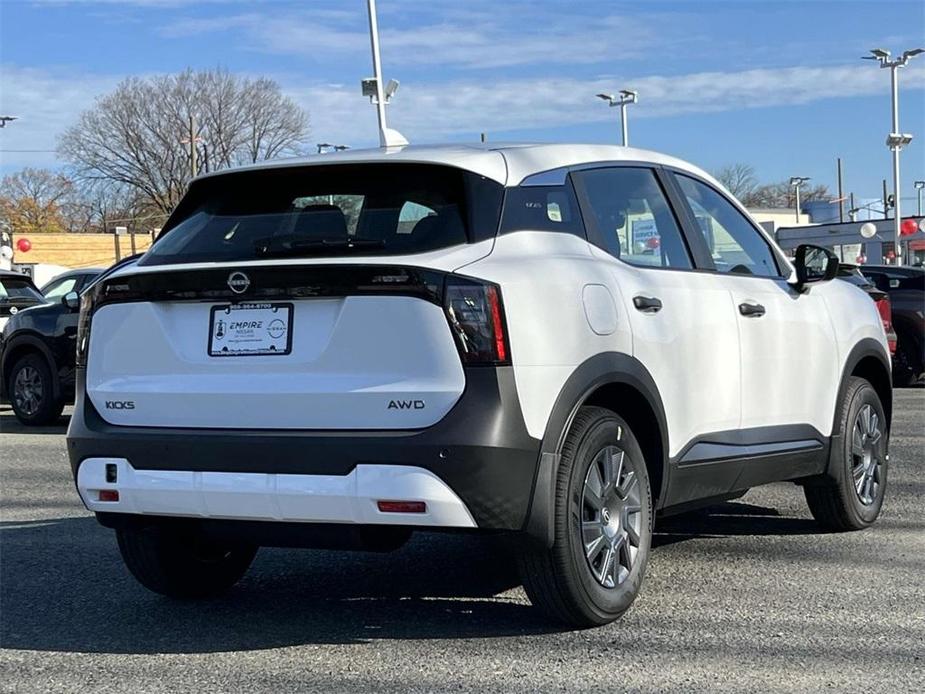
column 747, row 596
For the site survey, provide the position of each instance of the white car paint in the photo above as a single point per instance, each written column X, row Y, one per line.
column 348, row 498
column 351, row 357
column 565, row 301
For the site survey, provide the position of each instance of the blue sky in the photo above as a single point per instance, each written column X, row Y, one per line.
column 778, row 85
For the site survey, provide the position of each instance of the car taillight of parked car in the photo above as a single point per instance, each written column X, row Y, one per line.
column 886, row 316
column 476, row 315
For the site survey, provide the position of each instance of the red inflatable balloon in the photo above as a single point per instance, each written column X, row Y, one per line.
column 908, row 227
column 24, row 245
column 653, row 242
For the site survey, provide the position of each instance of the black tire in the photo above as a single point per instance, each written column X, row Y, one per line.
column 180, row 564
column 836, row 502
column 564, row 582
column 32, row 391
column 907, row 362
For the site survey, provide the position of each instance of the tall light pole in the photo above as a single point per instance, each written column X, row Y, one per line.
column 896, row 140
column 378, row 94
column 797, row 182
column 6, row 119
column 627, row 97
column 919, row 185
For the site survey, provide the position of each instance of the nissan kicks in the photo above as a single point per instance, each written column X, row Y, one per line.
column 556, row 342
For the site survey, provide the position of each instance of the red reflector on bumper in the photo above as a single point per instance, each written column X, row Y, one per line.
column 402, row 506
column 109, row 495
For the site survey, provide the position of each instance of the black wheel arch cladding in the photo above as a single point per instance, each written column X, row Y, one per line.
column 598, row 379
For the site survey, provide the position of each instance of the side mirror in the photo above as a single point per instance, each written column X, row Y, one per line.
column 71, row 300
column 814, row 264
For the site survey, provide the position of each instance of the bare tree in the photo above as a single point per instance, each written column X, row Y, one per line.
column 135, row 135
column 782, row 195
column 739, row 179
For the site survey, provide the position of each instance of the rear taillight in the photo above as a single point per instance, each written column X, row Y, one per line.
column 885, row 309
column 87, row 301
column 476, row 315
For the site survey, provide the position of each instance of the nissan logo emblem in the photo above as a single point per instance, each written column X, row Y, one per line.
column 238, row 282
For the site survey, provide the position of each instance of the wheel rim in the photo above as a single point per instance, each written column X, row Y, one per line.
column 28, row 390
column 867, row 455
column 611, row 517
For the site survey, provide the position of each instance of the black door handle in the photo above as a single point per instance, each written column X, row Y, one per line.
column 754, row 310
column 647, row 304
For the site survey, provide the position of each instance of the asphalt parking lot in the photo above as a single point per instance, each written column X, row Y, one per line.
column 747, row 596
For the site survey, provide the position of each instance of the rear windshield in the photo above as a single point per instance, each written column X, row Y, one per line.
column 14, row 290
column 341, row 209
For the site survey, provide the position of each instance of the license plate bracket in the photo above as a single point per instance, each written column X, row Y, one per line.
column 252, row 329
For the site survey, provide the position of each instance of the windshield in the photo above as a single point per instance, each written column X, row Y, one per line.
column 346, row 209
column 14, row 290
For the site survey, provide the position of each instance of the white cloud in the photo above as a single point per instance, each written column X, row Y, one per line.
column 48, row 101
column 478, row 36
column 427, row 112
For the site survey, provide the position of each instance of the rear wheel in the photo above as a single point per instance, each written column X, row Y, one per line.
column 603, row 526
column 852, row 498
column 32, row 391
column 182, row 565
column 907, row 363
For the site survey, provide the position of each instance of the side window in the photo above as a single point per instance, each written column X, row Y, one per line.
column 60, row 288
column 634, row 221
column 542, row 208
column 410, row 214
column 736, row 246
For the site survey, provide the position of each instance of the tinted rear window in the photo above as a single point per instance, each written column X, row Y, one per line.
column 19, row 291
column 346, row 209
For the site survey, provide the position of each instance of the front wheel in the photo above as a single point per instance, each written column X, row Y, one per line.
column 852, row 498
column 603, row 526
column 182, row 565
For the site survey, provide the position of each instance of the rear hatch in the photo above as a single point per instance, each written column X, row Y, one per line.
column 16, row 293
column 300, row 299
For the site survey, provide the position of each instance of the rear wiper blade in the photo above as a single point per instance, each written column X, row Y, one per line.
column 278, row 247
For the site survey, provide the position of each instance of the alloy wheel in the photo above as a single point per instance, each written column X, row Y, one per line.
column 611, row 516
column 28, row 390
column 867, row 455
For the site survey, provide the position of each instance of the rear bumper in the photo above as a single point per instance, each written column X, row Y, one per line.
column 259, row 496
column 480, row 451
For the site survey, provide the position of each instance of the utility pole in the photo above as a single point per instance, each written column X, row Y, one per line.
column 841, row 195
column 919, row 185
column 194, row 168
column 896, row 140
column 797, row 182
column 627, row 97
column 373, row 88
column 886, row 202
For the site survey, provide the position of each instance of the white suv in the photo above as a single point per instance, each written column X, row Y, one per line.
column 555, row 341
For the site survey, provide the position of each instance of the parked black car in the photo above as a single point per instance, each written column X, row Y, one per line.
column 71, row 281
column 38, row 347
column 17, row 292
column 906, row 289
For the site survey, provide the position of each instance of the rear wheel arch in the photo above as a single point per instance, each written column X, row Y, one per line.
column 20, row 347
column 621, row 384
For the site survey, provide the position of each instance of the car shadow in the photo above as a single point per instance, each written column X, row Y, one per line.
column 10, row 425
column 63, row 587
column 730, row 519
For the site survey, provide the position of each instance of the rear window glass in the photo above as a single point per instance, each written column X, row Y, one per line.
column 13, row 289
column 346, row 209
column 542, row 208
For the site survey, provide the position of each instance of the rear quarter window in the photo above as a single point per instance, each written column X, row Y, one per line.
column 542, row 208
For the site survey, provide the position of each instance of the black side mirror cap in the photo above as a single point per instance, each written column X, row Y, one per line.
column 814, row 265
column 71, row 300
